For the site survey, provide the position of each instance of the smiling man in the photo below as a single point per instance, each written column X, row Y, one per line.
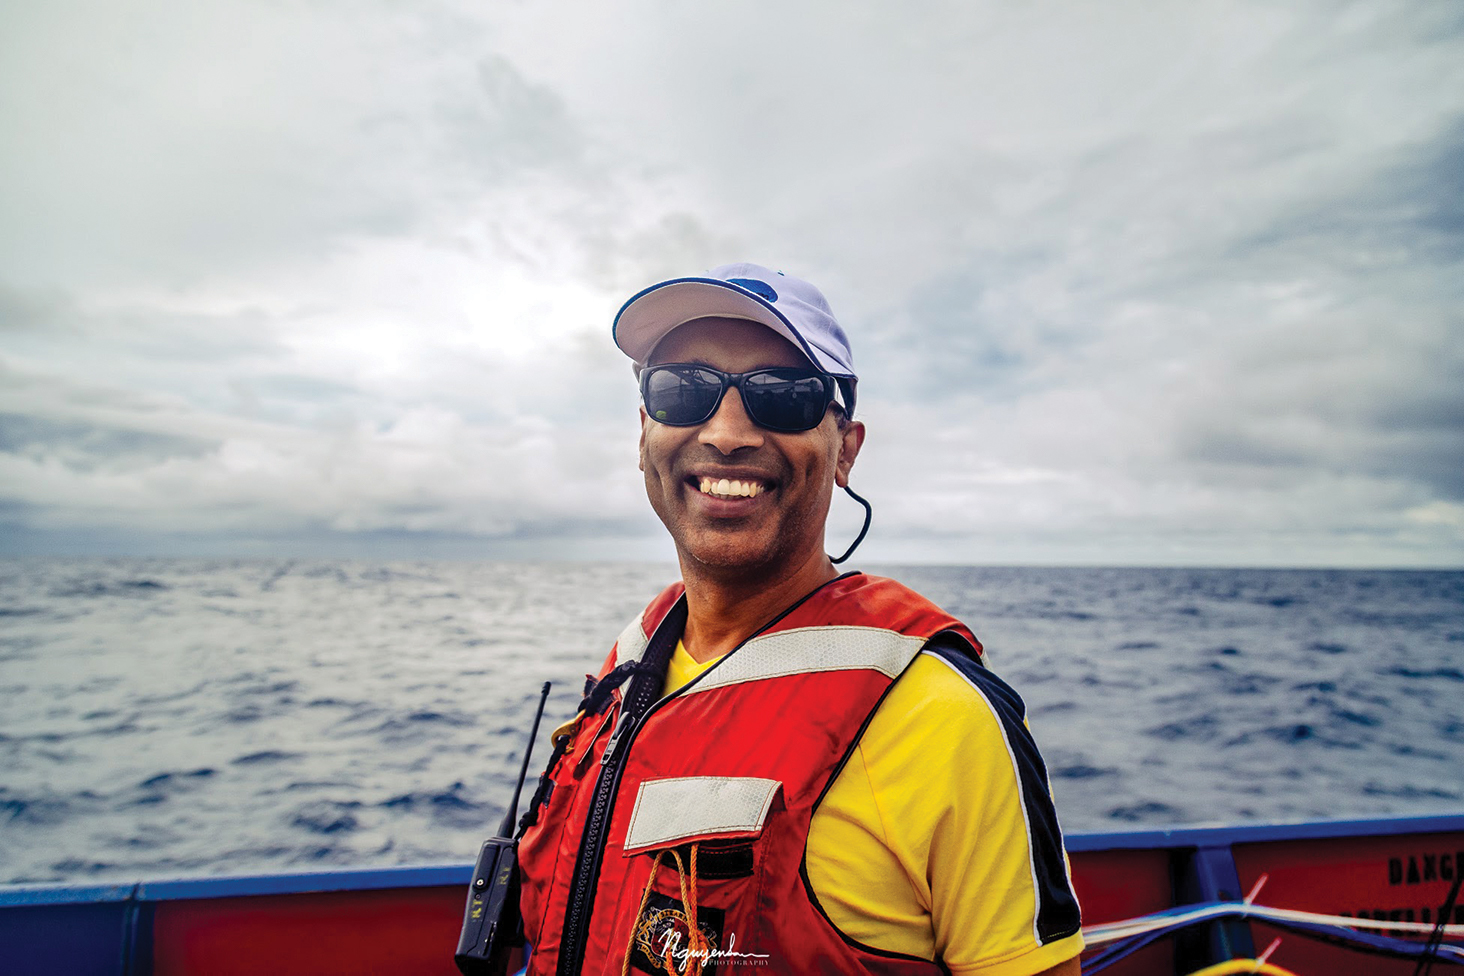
column 780, row 766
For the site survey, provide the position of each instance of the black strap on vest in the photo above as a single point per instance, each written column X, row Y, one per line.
column 598, row 695
column 639, row 700
column 650, row 674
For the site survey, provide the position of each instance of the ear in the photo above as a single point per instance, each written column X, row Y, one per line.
column 641, row 448
column 851, row 440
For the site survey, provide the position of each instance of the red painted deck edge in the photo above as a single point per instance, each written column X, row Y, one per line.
column 412, row 930
column 1403, row 877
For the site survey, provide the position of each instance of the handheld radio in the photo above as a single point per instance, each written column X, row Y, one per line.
column 491, row 919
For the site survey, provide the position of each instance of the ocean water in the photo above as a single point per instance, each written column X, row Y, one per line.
column 163, row 718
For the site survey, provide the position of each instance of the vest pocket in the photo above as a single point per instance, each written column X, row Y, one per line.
column 723, row 860
column 694, row 874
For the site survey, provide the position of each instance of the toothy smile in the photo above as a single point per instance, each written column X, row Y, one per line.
column 729, row 488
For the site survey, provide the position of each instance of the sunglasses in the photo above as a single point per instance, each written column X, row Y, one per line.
column 782, row 398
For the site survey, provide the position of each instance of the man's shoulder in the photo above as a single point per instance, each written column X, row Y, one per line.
column 950, row 681
column 856, row 582
column 947, row 725
column 887, row 603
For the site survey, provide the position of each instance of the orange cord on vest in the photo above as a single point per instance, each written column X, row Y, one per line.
column 698, row 949
column 635, row 924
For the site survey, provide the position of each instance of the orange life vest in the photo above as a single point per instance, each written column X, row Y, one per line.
column 677, row 835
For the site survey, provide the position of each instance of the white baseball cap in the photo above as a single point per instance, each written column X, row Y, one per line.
column 791, row 307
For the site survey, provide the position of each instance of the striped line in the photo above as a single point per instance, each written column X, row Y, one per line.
column 1056, row 915
column 810, row 650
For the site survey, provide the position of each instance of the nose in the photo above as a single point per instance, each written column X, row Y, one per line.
column 730, row 428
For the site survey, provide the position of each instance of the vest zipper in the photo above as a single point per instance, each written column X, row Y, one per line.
column 587, row 867
column 639, row 700
column 616, row 736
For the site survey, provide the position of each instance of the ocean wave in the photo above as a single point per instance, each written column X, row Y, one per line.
column 229, row 716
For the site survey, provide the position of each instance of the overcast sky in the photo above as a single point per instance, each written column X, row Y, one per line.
column 1128, row 283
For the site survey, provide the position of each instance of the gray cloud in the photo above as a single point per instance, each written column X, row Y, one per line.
column 1139, row 284
column 84, row 448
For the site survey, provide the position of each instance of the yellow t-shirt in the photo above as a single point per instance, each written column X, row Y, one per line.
column 929, row 785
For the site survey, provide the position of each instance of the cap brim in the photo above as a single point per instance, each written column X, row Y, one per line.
column 645, row 320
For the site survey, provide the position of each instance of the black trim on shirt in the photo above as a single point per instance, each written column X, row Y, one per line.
column 1057, row 907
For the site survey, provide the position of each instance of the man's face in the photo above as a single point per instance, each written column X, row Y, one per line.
column 776, row 519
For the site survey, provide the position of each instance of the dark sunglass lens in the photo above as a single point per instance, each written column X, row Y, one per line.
column 786, row 400
column 681, row 395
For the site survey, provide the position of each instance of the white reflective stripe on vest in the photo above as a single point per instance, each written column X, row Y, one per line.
column 808, row 650
column 632, row 642
column 670, row 810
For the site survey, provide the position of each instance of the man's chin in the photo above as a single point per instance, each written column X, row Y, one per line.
column 730, row 552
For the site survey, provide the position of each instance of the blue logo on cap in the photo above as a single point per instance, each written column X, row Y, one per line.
column 760, row 288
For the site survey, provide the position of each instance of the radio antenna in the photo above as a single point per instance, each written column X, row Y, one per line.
column 506, row 829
